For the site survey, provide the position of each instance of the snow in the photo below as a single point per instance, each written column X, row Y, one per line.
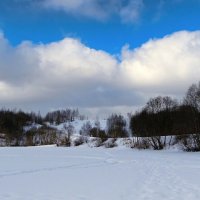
column 32, row 126
column 77, row 124
column 83, row 173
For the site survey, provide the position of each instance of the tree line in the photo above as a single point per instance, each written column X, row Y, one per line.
column 164, row 116
column 13, row 125
column 163, row 120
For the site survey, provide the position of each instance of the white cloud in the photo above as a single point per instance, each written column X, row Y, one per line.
column 88, row 8
column 65, row 72
column 68, row 73
column 128, row 11
column 131, row 12
column 169, row 64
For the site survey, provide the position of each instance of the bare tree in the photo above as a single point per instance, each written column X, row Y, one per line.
column 192, row 97
column 85, row 129
column 116, row 126
column 157, row 104
column 69, row 130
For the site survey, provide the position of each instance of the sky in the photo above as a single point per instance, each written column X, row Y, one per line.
column 101, row 56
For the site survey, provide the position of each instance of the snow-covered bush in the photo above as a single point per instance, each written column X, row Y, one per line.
column 79, row 141
column 95, row 142
column 189, row 142
column 110, row 143
column 141, row 143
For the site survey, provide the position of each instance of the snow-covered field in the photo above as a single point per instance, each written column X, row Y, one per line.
column 83, row 173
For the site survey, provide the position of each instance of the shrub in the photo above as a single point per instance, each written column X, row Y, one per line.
column 189, row 142
column 79, row 141
column 110, row 143
column 67, row 141
column 141, row 143
column 95, row 142
column 95, row 132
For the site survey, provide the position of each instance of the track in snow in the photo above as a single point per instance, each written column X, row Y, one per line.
column 94, row 174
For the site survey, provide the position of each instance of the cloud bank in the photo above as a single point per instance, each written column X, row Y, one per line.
column 69, row 73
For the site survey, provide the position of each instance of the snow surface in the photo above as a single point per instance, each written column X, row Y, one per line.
column 77, row 124
column 83, row 173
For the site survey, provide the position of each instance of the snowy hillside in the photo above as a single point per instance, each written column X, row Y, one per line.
column 78, row 124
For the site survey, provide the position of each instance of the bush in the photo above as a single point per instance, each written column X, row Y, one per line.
column 67, row 141
column 79, row 141
column 189, row 142
column 95, row 142
column 141, row 143
column 98, row 133
column 94, row 132
column 128, row 142
column 110, row 143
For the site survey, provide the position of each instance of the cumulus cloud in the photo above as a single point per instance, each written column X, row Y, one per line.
column 64, row 73
column 165, row 65
column 68, row 73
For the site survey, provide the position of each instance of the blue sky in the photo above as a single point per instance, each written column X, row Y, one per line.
column 29, row 20
column 96, row 33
